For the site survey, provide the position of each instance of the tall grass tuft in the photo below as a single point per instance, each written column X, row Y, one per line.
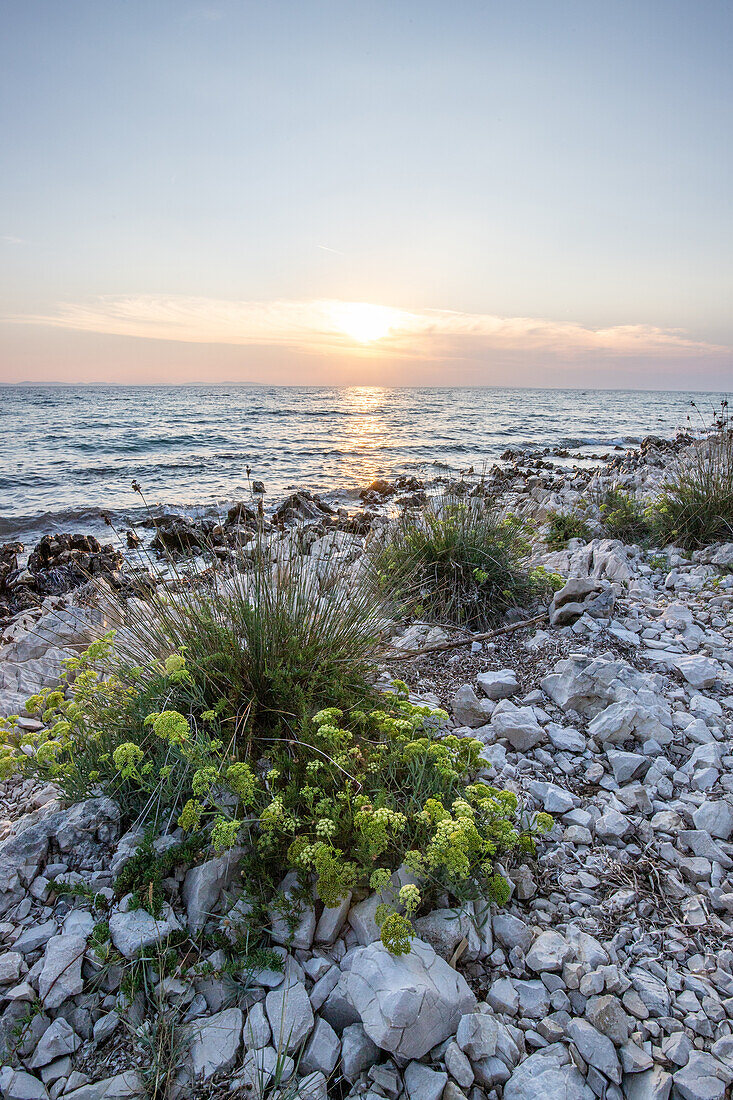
column 456, row 561
column 695, row 507
column 272, row 635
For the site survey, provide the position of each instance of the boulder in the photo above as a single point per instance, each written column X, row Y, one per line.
column 214, row 1042
column 625, row 721
column 723, row 556
column 123, row 1086
column 700, row 672
column 290, row 1015
column 10, row 964
column 715, row 818
column 358, row 1052
column 498, row 685
column 24, row 1086
column 518, row 725
column 204, row 883
column 595, row 1049
column 300, row 933
column 321, row 1051
column 651, row 1084
column 548, row 952
column 468, row 709
column 551, row 1074
column 444, row 929
column 477, row 1035
column 134, row 929
column 423, row 1083
column 57, row 1040
column 582, row 596
column 60, row 976
column 407, row 1003
column 703, row 1078
column 626, row 765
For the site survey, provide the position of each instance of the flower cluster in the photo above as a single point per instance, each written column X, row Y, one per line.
column 346, row 800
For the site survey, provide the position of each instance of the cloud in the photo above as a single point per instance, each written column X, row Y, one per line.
column 360, row 328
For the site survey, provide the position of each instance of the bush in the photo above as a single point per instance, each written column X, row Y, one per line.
column 623, row 517
column 455, row 562
column 342, row 799
column 270, row 637
column 564, row 526
column 695, row 507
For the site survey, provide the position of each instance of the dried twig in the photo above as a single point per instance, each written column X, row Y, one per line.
column 401, row 654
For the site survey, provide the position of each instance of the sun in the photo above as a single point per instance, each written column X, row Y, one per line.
column 363, row 322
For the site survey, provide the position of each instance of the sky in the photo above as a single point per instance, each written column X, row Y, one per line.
column 369, row 193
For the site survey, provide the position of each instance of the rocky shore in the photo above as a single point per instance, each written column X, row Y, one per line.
column 608, row 974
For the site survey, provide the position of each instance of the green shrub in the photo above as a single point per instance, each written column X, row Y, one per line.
column 455, row 561
column 695, row 507
column 564, row 526
column 623, row 517
column 269, row 637
column 344, row 799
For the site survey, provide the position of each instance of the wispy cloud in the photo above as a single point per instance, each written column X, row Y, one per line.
column 331, row 325
column 7, row 239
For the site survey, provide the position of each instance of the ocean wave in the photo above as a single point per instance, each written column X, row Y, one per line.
column 66, row 519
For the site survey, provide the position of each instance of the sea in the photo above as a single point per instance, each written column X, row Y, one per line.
column 68, row 454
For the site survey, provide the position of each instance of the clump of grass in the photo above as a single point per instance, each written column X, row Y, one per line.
column 695, row 507
column 564, row 526
column 455, row 561
column 623, row 517
column 270, row 636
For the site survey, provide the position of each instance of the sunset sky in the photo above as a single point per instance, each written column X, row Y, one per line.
column 474, row 192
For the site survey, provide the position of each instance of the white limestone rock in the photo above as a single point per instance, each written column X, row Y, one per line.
column 321, row 1051
column 60, row 976
column 550, row 1073
column 468, row 709
column 701, row 672
column 358, row 1052
column 477, row 1035
column 290, row 1015
column 57, row 1040
column 332, row 920
column 518, row 725
column 715, row 818
column 408, row 1003
column 548, row 952
column 595, row 1048
column 281, row 929
column 498, row 685
column 133, row 929
column 214, row 1042
column 423, row 1083
column 204, row 883
column 123, row 1086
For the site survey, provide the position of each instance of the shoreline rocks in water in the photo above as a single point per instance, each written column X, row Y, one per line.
column 608, row 974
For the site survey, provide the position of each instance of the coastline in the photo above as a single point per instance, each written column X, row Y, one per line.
column 611, row 966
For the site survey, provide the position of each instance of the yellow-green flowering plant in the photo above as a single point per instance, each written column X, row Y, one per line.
column 344, row 797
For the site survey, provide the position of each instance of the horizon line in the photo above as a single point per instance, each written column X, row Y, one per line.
column 352, row 386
